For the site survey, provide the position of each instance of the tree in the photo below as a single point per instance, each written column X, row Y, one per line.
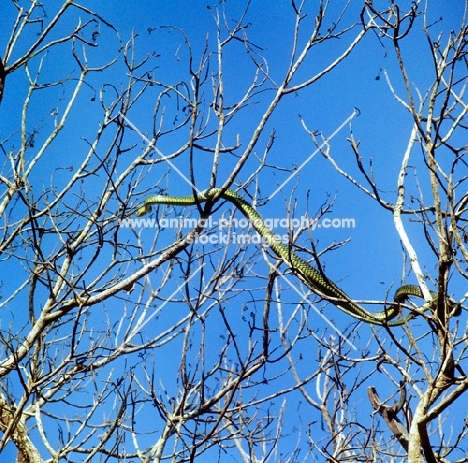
column 438, row 115
column 179, row 335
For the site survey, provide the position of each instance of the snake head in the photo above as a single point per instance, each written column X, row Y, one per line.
column 143, row 210
column 455, row 308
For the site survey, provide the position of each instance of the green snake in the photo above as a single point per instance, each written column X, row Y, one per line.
column 313, row 278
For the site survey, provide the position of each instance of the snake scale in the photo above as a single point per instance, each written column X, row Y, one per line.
column 313, row 278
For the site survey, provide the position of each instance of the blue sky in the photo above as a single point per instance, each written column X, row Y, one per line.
column 371, row 263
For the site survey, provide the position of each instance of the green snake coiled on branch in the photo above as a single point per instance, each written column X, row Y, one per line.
column 313, row 278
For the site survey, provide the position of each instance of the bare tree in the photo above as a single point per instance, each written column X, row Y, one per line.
column 429, row 359
column 168, row 337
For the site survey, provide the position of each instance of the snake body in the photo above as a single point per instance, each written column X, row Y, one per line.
column 313, row 278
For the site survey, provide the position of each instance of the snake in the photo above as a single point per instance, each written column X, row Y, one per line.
column 313, row 278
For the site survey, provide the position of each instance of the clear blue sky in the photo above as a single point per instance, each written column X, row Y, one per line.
column 371, row 263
